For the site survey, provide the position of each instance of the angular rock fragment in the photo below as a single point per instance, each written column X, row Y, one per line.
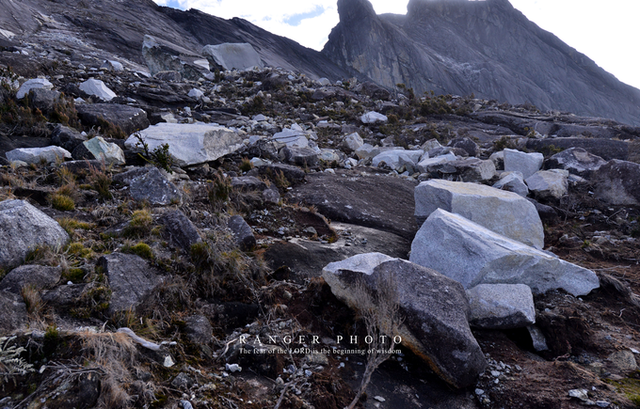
column 36, row 276
column 67, row 138
column 242, row 233
column 127, row 118
column 182, row 231
column 512, row 182
column 472, row 254
column 501, row 306
column 99, row 149
column 399, row 159
column 577, row 161
column 130, row 279
column 35, row 83
column 503, row 212
column 466, row 169
column 525, row 163
column 549, row 185
column 97, row 89
column 189, row 144
column 373, row 117
column 149, row 184
column 13, row 312
column 49, row 154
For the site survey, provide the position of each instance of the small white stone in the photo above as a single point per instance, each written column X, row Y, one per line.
column 168, row 362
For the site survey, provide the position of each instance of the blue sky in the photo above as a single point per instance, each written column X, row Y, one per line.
column 606, row 31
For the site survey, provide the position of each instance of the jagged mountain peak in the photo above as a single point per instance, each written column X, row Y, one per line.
column 483, row 47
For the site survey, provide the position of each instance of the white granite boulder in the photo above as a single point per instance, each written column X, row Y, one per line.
column 35, row 83
column 512, row 182
column 98, row 89
column 373, row 117
column 49, row 154
column 501, row 306
column 352, row 142
column 503, row 212
column 189, row 144
column 99, row 149
column 549, row 184
column 525, row 163
column 472, row 254
column 399, row 159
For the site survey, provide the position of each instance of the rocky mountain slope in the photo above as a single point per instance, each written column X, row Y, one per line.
column 116, row 30
column 257, row 238
column 483, row 47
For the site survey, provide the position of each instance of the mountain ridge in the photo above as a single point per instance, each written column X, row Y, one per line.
column 486, row 48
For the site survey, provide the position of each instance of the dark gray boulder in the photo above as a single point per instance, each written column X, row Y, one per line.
column 13, row 312
column 376, row 201
column 23, row 228
column 469, row 146
column 64, row 297
column 577, row 161
column 130, row 279
column 44, row 99
column 39, row 277
column 67, row 138
column 617, row 183
column 607, row 149
column 198, row 329
column 435, row 310
column 129, row 119
column 149, row 184
column 182, row 231
column 305, row 157
column 467, row 170
column 242, row 233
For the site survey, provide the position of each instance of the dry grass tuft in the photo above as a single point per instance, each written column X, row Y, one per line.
column 114, row 354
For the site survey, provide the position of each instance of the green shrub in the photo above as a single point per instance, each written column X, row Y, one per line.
column 141, row 249
column 140, row 224
column 62, row 202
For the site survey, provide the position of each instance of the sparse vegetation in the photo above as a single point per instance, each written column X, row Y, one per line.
column 140, row 249
column 158, row 157
column 380, row 311
column 100, row 181
column 140, row 224
column 62, row 202
column 12, row 363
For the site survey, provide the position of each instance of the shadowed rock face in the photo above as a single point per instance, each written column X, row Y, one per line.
column 487, row 48
column 118, row 28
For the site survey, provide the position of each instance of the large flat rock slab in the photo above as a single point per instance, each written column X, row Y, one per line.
column 472, row 254
column 307, row 258
column 376, row 201
column 189, row 144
